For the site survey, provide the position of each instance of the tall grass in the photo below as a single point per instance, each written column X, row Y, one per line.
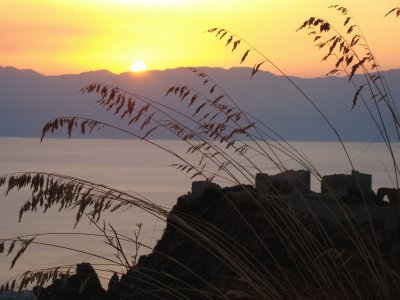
column 289, row 255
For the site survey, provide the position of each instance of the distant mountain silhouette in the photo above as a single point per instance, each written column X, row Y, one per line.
column 29, row 99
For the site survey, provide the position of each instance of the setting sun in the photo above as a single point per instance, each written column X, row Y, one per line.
column 110, row 34
column 138, row 66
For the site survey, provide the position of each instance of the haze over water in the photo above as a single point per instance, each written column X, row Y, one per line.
column 132, row 166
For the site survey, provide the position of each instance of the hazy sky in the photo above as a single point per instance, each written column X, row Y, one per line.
column 72, row 36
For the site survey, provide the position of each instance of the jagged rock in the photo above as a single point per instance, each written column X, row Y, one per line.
column 83, row 285
column 224, row 243
column 199, row 186
column 113, row 287
column 216, row 240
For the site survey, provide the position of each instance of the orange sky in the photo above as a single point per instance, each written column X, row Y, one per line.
column 72, row 36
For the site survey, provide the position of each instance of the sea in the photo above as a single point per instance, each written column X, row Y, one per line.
column 149, row 170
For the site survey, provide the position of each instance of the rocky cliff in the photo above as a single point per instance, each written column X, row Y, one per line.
column 238, row 243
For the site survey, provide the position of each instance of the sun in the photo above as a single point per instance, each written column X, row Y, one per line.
column 138, row 66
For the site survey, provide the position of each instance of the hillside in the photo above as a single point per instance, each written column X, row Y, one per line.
column 29, row 99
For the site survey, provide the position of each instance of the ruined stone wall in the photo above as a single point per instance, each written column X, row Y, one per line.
column 287, row 182
column 342, row 182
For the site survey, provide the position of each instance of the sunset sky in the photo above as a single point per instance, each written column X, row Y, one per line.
column 73, row 36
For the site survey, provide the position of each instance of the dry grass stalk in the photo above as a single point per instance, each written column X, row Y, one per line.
column 314, row 266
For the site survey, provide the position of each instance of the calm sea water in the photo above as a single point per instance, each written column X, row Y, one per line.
column 135, row 167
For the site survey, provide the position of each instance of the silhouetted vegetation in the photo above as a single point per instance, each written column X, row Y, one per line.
column 237, row 242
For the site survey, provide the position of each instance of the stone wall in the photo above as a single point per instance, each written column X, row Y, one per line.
column 356, row 181
column 289, row 181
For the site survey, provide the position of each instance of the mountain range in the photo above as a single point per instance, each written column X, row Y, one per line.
column 29, row 99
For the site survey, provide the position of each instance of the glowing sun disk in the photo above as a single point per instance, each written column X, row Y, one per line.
column 138, row 66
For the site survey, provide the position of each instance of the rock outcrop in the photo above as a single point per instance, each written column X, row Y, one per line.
column 228, row 243
column 83, row 285
column 242, row 243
